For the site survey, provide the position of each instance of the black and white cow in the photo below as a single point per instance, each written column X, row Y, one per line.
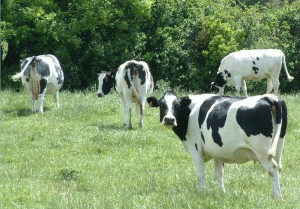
column 228, row 130
column 237, row 67
column 41, row 74
column 133, row 83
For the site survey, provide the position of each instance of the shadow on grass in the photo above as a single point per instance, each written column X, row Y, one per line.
column 106, row 126
column 22, row 112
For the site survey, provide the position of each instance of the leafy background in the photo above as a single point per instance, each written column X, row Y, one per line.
column 182, row 41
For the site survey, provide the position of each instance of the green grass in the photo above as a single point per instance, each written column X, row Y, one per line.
column 80, row 156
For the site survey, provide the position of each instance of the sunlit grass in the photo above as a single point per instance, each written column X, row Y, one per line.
column 81, row 156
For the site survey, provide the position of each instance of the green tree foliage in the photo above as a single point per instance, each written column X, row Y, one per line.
column 183, row 41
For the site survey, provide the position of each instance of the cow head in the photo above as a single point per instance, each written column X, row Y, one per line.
column 106, row 82
column 171, row 107
column 220, row 82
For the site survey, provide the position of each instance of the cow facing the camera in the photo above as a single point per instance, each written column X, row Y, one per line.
column 227, row 130
column 133, row 82
column 41, row 74
column 237, row 67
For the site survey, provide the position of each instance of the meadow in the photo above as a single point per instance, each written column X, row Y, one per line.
column 81, row 156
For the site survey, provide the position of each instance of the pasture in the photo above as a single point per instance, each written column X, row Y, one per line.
column 80, row 156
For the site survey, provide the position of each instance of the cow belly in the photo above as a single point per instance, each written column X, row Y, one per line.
column 236, row 155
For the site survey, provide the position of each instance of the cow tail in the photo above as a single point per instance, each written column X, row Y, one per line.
column 290, row 78
column 133, row 86
column 280, row 116
column 19, row 75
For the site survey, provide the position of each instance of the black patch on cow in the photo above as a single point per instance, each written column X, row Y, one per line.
column 182, row 114
column 284, row 118
column 137, row 70
column 202, row 137
column 196, row 146
column 255, row 69
column 253, row 62
column 219, row 80
column 217, row 117
column 227, row 73
column 256, row 120
column 108, row 82
column 43, row 85
column 42, row 68
column 126, row 77
column 257, row 58
column 204, row 108
column 27, row 79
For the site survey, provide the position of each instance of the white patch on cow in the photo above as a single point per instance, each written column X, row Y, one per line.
column 169, row 120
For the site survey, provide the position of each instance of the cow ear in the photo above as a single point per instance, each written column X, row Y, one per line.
column 153, row 102
column 185, row 101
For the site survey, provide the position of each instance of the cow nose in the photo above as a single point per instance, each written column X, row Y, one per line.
column 169, row 121
column 100, row 95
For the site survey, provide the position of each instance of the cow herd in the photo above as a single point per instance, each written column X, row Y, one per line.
column 210, row 126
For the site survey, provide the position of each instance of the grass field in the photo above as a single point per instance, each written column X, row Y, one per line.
column 80, row 156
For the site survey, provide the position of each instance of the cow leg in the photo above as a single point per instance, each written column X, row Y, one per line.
column 200, row 167
column 40, row 102
column 43, row 89
column 128, row 105
column 124, row 111
column 140, row 110
column 271, row 167
column 269, row 86
column 279, row 149
column 130, row 114
column 244, row 88
column 56, row 99
column 219, row 170
column 32, row 102
column 237, row 87
column 275, row 82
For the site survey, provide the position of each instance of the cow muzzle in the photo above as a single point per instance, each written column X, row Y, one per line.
column 169, row 121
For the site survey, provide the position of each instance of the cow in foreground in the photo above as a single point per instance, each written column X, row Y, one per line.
column 41, row 74
column 237, row 67
column 228, row 130
column 133, row 83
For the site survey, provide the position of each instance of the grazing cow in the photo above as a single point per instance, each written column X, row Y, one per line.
column 133, row 83
column 228, row 130
column 237, row 67
column 41, row 74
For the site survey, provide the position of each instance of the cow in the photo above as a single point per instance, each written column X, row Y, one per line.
column 237, row 67
column 133, row 82
column 227, row 130
column 41, row 74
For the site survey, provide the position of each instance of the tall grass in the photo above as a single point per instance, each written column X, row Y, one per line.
column 80, row 156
